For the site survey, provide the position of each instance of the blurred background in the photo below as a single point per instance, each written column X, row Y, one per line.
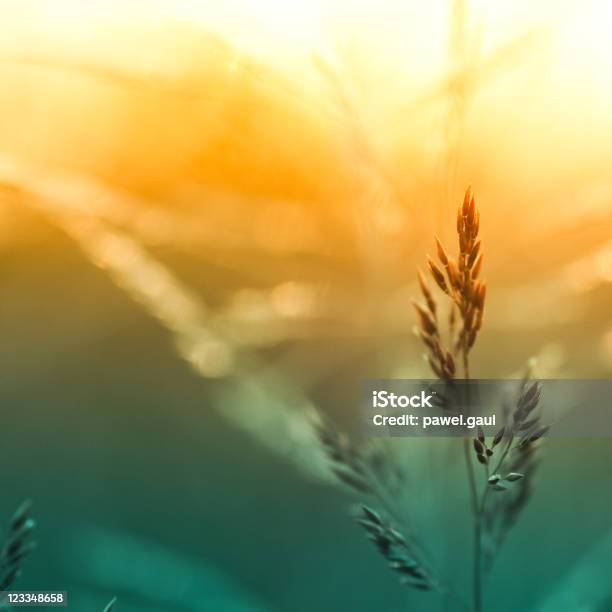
column 210, row 219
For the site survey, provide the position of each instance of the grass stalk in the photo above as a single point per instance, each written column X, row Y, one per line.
column 373, row 473
column 458, row 279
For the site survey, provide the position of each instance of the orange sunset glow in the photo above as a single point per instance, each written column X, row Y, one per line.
column 305, row 305
column 309, row 149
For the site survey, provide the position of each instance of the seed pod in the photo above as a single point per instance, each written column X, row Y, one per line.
column 482, row 292
column 463, row 245
column 450, row 363
column 441, row 252
column 437, row 274
column 426, row 339
column 352, row 480
column 466, row 201
column 538, row 434
column 478, row 446
column 528, row 424
column 423, row 283
column 518, row 417
column 21, row 515
column 473, row 296
column 427, row 323
column 477, row 266
column 431, row 304
column 435, row 369
column 447, row 374
column 471, row 211
column 494, row 479
column 482, row 459
column 530, row 393
column 481, row 436
column 437, row 351
column 529, row 399
column 499, row 487
column 498, row 436
column 429, row 298
column 512, row 476
column 473, row 254
column 453, row 273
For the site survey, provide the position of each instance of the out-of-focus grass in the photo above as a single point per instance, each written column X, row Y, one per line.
column 266, row 212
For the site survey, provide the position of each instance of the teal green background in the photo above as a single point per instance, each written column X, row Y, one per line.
column 141, row 490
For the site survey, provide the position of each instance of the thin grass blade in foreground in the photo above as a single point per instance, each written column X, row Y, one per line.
column 395, row 549
column 17, row 546
column 111, row 605
column 144, row 571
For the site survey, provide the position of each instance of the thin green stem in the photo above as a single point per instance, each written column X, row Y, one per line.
column 477, row 580
column 477, row 571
